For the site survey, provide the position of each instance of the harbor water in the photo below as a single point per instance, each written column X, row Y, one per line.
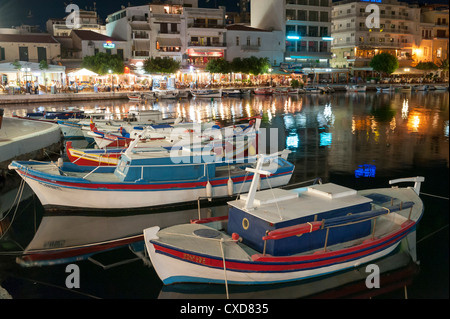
column 358, row 140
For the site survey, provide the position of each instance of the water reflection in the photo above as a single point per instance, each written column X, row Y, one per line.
column 344, row 135
column 393, row 129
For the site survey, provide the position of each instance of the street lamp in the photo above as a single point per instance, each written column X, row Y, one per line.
column 112, row 84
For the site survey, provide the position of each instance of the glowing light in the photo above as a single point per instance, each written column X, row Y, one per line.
column 325, row 139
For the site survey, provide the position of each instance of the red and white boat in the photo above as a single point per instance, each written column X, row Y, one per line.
column 231, row 143
column 276, row 236
column 263, row 91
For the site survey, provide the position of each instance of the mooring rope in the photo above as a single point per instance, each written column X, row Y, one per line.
column 441, row 197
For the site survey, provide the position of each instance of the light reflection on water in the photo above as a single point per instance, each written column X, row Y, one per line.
column 357, row 140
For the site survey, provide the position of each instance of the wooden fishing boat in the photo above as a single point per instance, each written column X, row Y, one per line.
column 134, row 96
column 405, row 88
column 312, row 89
column 281, row 91
column 295, row 91
column 263, row 91
column 441, row 87
column 385, row 89
column 206, row 93
column 276, row 236
column 183, row 94
column 231, row 142
column 235, row 92
column 356, row 88
column 141, row 181
column 167, row 94
column 420, row 87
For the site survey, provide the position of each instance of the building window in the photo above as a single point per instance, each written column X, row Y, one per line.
column 2, row 54
column 290, row 29
column 248, row 41
column 237, row 40
column 323, row 16
column 313, row 16
column 23, row 53
column 120, row 53
column 259, row 41
column 313, row 31
column 439, row 53
column 301, row 15
column 301, row 29
column 42, row 54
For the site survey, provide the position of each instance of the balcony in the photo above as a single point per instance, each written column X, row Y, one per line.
column 204, row 25
column 212, row 44
column 141, row 36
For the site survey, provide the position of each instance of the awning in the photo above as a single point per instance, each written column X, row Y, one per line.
column 141, row 45
column 82, row 72
column 169, row 42
column 406, row 70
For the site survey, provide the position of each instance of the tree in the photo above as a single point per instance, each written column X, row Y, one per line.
column 218, row 66
column 428, row 67
column 161, row 65
column 251, row 65
column 384, row 63
column 102, row 62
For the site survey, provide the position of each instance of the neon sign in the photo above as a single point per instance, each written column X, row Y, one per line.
column 109, row 45
column 374, row 1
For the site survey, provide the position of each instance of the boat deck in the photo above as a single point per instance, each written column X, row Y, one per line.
column 188, row 238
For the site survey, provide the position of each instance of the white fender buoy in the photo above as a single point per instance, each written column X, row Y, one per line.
column 209, row 191
column 230, row 186
column 60, row 162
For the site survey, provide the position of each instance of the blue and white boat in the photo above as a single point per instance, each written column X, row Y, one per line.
column 141, row 180
column 277, row 235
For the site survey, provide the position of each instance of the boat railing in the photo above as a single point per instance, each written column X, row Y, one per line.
column 349, row 219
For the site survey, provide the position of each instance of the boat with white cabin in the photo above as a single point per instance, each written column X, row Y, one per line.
column 277, row 236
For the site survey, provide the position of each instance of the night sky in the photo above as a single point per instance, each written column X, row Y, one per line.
column 16, row 12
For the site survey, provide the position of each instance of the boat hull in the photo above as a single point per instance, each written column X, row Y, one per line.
column 178, row 266
column 60, row 192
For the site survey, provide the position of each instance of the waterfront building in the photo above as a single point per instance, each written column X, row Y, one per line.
column 434, row 43
column 205, row 34
column 87, row 20
column 177, row 29
column 355, row 42
column 32, row 47
column 306, row 25
column 245, row 41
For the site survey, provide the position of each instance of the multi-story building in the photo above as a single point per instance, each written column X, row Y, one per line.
column 355, row 42
column 86, row 20
column 306, row 26
column 435, row 34
column 245, row 41
column 176, row 29
column 205, row 34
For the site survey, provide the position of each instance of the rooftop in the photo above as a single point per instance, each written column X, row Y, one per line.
column 28, row 38
column 92, row 36
column 241, row 27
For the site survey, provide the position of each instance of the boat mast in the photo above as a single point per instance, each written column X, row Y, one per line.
column 257, row 171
